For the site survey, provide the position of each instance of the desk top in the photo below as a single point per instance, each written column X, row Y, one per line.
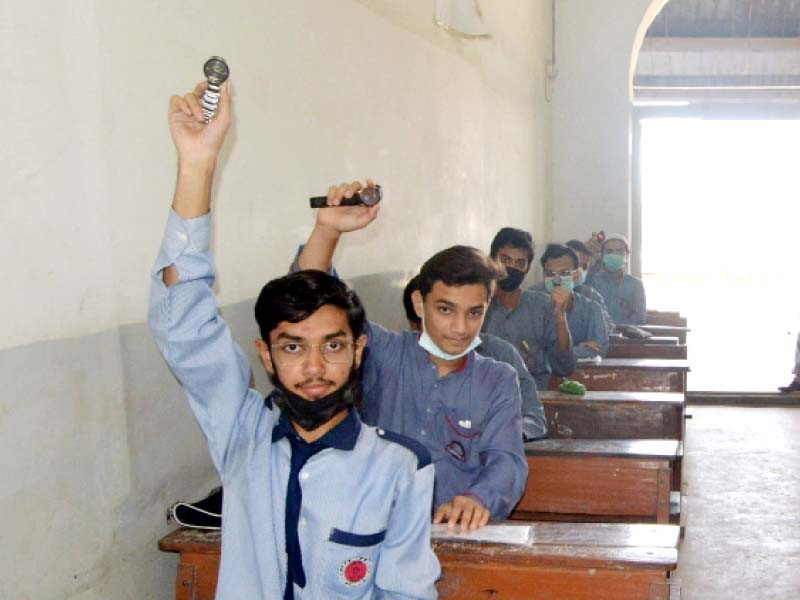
column 604, row 545
column 642, row 449
column 654, row 364
column 656, row 340
column 613, row 397
column 663, row 328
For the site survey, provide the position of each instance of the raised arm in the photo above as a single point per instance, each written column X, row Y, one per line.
column 184, row 317
column 332, row 222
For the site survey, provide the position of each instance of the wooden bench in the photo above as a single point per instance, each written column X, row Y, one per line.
column 660, row 340
column 599, row 480
column 671, row 318
column 647, row 350
column 631, row 374
column 575, row 561
column 667, row 330
column 614, row 415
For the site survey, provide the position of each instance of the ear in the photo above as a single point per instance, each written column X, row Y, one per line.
column 266, row 357
column 416, row 298
column 361, row 343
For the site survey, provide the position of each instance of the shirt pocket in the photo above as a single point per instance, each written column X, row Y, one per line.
column 350, row 563
column 459, row 437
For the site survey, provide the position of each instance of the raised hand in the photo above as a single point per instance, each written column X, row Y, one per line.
column 341, row 219
column 198, row 143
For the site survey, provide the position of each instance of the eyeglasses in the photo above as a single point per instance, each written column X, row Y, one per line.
column 294, row 353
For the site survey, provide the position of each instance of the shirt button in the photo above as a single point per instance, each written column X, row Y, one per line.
column 428, row 409
column 422, row 432
column 304, row 475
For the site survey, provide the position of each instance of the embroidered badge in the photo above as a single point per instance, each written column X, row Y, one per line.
column 456, row 450
column 466, row 424
column 354, row 571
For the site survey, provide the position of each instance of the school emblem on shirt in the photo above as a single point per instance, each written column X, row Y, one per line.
column 456, row 450
column 354, row 571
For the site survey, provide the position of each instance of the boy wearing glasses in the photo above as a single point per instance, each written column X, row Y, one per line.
column 316, row 504
column 587, row 326
column 623, row 293
column 534, row 323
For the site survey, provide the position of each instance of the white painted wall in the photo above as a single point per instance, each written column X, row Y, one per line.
column 595, row 46
column 95, row 438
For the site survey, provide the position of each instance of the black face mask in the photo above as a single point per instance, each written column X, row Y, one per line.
column 310, row 414
column 512, row 281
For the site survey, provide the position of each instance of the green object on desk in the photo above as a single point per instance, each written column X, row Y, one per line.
column 576, row 388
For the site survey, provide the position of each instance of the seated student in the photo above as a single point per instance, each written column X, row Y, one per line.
column 531, row 321
column 534, row 422
column 623, row 293
column 465, row 408
column 794, row 386
column 587, row 263
column 316, row 504
column 585, row 317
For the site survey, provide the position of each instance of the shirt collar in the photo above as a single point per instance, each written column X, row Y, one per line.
column 341, row 437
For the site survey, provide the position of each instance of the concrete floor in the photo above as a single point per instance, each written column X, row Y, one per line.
column 742, row 481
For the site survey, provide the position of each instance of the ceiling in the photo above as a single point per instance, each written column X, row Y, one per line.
column 717, row 50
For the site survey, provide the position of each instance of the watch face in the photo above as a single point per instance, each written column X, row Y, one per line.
column 216, row 70
column 370, row 196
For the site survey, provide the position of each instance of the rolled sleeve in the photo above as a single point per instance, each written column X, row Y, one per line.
column 195, row 341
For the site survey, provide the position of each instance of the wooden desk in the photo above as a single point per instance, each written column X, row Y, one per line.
column 671, row 318
column 575, row 561
column 614, row 415
column 598, row 480
column 660, row 340
column 647, row 350
column 631, row 374
column 667, row 330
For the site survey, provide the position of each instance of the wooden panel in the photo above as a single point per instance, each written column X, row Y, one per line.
column 645, row 375
column 582, row 483
column 614, row 415
column 184, row 583
column 677, row 351
column 671, row 318
column 596, row 561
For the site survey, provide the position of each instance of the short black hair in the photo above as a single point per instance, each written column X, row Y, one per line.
column 579, row 246
column 457, row 266
column 516, row 238
column 557, row 251
column 408, row 304
column 297, row 296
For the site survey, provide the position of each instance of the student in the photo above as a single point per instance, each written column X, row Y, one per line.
column 465, row 408
column 587, row 263
column 623, row 293
column 587, row 326
column 794, row 386
column 533, row 322
column 316, row 504
column 534, row 422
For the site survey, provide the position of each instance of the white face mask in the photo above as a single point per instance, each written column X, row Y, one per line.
column 427, row 344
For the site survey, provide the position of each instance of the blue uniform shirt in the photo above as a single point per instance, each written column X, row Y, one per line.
column 591, row 294
column 534, row 422
column 469, row 420
column 625, row 298
column 364, row 521
column 586, row 324
column 531, row 329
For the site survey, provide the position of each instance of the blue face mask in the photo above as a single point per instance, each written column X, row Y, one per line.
column 565, row 282
column 613, row 262
column 431, row 347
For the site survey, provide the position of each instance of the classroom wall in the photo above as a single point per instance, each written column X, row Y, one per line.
column 95, row 437
column 596, row 48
